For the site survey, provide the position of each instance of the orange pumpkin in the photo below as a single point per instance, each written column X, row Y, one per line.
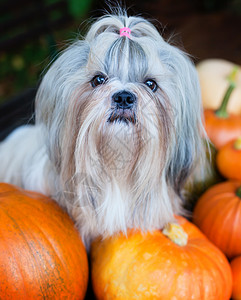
column 229, row 160
column 218, row 215
column 221, row 130
column 41, row 253
column 236, row 271
column 220, row 126
column 153, row 266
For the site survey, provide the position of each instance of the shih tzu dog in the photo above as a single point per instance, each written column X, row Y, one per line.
column 118, row 130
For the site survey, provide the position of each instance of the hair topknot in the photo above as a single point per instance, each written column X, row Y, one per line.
column 111, row 24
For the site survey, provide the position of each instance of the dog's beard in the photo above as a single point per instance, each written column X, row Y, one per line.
column 116, row 169
column 111, row 133
column 94, row 125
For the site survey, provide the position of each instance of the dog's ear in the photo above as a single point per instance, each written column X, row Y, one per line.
column 185, row 98
column 59, row 82
column 55, row 91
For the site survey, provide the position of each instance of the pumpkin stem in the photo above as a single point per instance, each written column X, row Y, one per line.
column 238, row 192
column 222, row 111
column 176, row 234
column 237, row 144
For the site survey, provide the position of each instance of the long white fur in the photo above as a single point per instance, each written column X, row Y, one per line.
column 112, row 176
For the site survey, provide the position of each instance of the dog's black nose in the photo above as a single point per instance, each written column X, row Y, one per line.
column 124, row 99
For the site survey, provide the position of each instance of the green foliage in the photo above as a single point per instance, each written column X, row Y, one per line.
column 79, row 8
column 21, row 69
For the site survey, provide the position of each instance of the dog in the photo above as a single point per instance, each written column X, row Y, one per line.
column 118, row 130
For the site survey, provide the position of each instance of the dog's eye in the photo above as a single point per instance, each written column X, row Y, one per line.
column 98, row 80
column 151, row 84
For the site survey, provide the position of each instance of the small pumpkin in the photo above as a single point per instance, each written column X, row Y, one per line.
column 236, row 271
column 229, row 160
column 179, row 263
column 218, row 215
column 41, row 253
column 221, row 126
column 214, row 81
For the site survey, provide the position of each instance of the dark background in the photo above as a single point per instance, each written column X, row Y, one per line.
column 32, row 32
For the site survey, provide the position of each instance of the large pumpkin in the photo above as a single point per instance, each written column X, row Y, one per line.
column 41, row 253
column 153, row 266
column 218, row 215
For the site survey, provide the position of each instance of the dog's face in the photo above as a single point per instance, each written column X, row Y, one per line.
column 123, row 102
column 126, row 111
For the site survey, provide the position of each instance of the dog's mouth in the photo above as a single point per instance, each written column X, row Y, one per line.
column 122, row 115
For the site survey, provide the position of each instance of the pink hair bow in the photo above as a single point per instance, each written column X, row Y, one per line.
column 125, row 31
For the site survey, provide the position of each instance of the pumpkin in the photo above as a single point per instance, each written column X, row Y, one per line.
column 236, row 271
column 41, row 253
column 221, row 126
column 218, row 215
column 229, row 160
column 178, row 263
column 213, row 77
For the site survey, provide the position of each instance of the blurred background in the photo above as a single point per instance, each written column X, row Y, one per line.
column 33, row 31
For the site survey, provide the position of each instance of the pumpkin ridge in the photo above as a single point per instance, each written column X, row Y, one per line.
column 194, row 262
column 198, row 262
column 36, row 225
column 17, row 264
column 224, row 204
column 216, row 198
column 223, row 194
column 219, row 188
column 34, row 205
column 229, row 215
column 48, row 242
column 235, row 219
column 204, row 215
column 24, row 238
column 174, row 280
column 57, row 249
column 209, row 259
column 184, row 253
column 45, row 236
